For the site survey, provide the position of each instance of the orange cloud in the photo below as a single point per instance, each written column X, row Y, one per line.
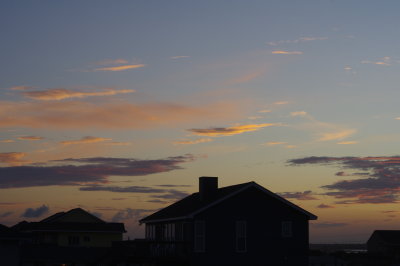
column 298, row 113
column 245, row 78
column 7, row 141
column 273, row 143
column 119, row 115
column 30, row 138
column 347, row 142
column 85, row 140
column 229, row 131
column 12, row 158
column 112, row 62
column 20, row 88
column 60, row 94
column 287, row 52
column 196, row 141
column 119, row 68
column 337, row 135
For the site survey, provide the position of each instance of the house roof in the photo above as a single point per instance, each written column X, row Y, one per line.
column 388, row 236
column 192, row 204
column 59, row 216
column 75, row 220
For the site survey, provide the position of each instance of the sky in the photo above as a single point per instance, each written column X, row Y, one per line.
column 118, row 107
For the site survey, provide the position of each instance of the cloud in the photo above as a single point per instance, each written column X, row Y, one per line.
column 6, row 214
column 325, row 206
column 61, row 94
column 195, row 141
column 347, row 142
column 328, row 225
column 131, row 189
column 337, row 135
column 30, row 138
column 385, row 61
column 114, row 115
column 306, row 195
column 378, row 183
column 299, row 40
column 12, row 158
column 229, row 131
column 274, row 143
column 20, row 88
column 265, row 111
column 298, row 113
column 119, row 68
column 171, row 195
column 35, row 212
column 7, row 141
column 112, row 62
column 347, row 68
column 85, row 140
column 281, row 103
column 244, row 78
column 129, row 213
column 179, row 57
column 85, row 171
column 287, row 52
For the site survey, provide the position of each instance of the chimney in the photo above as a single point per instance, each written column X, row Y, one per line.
column 208, row 186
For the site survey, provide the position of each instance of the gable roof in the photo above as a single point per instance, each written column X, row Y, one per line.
column 192, row 204
column 391, row 237
column 60, row 216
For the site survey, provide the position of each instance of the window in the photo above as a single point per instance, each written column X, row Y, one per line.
column 241, row 235
column 199, row 236
column 73, row 240
column 86, row 239
column 150, row 231
column 287, row 229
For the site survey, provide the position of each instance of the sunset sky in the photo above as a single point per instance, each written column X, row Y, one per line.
column 118, row 107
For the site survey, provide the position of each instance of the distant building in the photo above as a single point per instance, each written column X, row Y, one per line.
column 74, row 228
column 385, row 243
column 243, row 224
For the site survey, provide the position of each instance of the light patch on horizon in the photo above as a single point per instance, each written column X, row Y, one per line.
column 179, row 57
column 34, row 138
column 195, row 141
column 287, row 52
column 119, row 68
column 385, row 61
column 299, row 40
column 230, row 131
column 12, row 158
column 61, row 94
column 347, row 142
column 85, row 140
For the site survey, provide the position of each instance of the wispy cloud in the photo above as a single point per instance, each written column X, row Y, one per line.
column 119, row 68
column 281, row 103
column 21, row 88
column 112, row 62
column 338, row 135
column 379, row 182
column 265, row 111
column 7, row 141
column 30, row 138
column 347, row 142
column 385, row 61
column 287, row 52
column 12, row 158
column 325, row 206
column 299, row 40
column 131, row 214
column 194, row 141
column 84, row 171
column 35, row 212
column 110, row 115
column 299, row 113
column 6, row 214
column 179, row 56
column 274, row 143
column 85, row 140
column 61, row 94
column 230, row 131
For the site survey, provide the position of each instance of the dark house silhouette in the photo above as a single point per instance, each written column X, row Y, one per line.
column 243, row 224
column 385, row 243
